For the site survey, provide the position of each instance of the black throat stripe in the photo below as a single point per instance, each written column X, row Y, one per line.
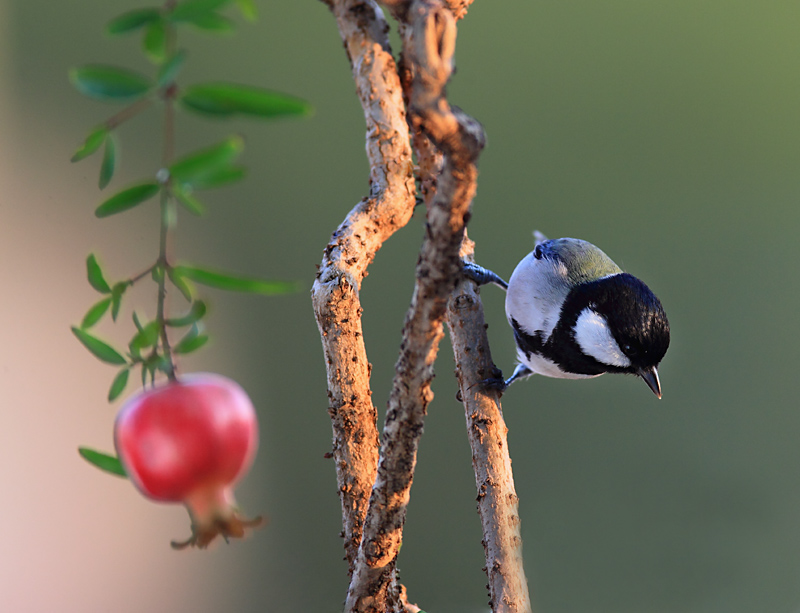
column 560, row 348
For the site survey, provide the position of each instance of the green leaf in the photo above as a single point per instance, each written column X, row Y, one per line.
column 196, row 312
column 191, row 342
column 103, row 82
column 109, row 162
column 127, row 199
column 132, row 20
column 95, row 314
column 229, row 99
column 191, row 9
column 103, row 461
column 95, row 275
column 101, row 350
column 146, row 337
column 189, row 202
column 154, row 41
column 135, row 355
column 116, row 302
column 189, row 345
column 116, row 297
column 170, row 69
column 136, row 321
column 118, row 385
column 220, row 177
column 248, row 9
column 157, row 272
column 234, row 283
column 91, row 144
column 181, row 283
column 207, row 161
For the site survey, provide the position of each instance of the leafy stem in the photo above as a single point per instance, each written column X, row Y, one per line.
column 177, row 182
column 167, row 223
column 168, row 219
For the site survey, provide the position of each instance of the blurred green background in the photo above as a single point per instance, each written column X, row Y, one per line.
column 668, row 133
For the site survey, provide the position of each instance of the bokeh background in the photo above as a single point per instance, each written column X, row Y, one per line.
column 668, row 133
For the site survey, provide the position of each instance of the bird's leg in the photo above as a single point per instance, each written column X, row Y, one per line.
column 482, row 276
column 520, row 372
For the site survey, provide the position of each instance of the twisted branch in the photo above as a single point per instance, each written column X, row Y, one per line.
column 447, row 143
column 429, row 43
column 352, row 247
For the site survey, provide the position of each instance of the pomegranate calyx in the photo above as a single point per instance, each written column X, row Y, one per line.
column 229, row 527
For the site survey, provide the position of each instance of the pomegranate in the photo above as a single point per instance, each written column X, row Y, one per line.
column 190, row 441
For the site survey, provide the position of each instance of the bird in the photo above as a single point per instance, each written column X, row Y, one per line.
column 575, row 314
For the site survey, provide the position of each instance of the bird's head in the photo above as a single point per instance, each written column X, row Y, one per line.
column 621, row 324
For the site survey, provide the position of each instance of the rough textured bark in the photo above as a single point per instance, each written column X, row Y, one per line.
column 352, row 247
column 447, row 144
column 497, row 499
column 429, row 43
column 399, row 8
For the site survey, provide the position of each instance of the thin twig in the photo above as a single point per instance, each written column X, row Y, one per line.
column 128, row 112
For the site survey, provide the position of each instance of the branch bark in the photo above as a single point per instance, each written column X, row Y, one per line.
column 399, row 8
column 429, row 44
column 497, row 499
column 335, row 294
column 447, row 143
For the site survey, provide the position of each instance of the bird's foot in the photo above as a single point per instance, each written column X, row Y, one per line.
column 496, row 382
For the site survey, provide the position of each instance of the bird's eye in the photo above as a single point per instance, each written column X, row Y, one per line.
column 537, row 252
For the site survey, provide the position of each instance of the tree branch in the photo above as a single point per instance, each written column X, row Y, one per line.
column 429, row 43
column 447, row 143
column 399, row 8
column 486, row 428
column 352, row 247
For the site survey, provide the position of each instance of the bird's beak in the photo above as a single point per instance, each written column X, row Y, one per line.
column 650, row 376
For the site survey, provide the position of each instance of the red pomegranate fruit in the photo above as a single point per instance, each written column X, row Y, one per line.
column 191, row 441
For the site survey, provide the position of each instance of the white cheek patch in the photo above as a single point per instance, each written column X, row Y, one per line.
column 595, row 339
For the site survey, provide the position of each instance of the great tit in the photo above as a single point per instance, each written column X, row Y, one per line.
column 575, row 314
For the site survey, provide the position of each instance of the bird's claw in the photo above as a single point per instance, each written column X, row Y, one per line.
column 497, row 384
